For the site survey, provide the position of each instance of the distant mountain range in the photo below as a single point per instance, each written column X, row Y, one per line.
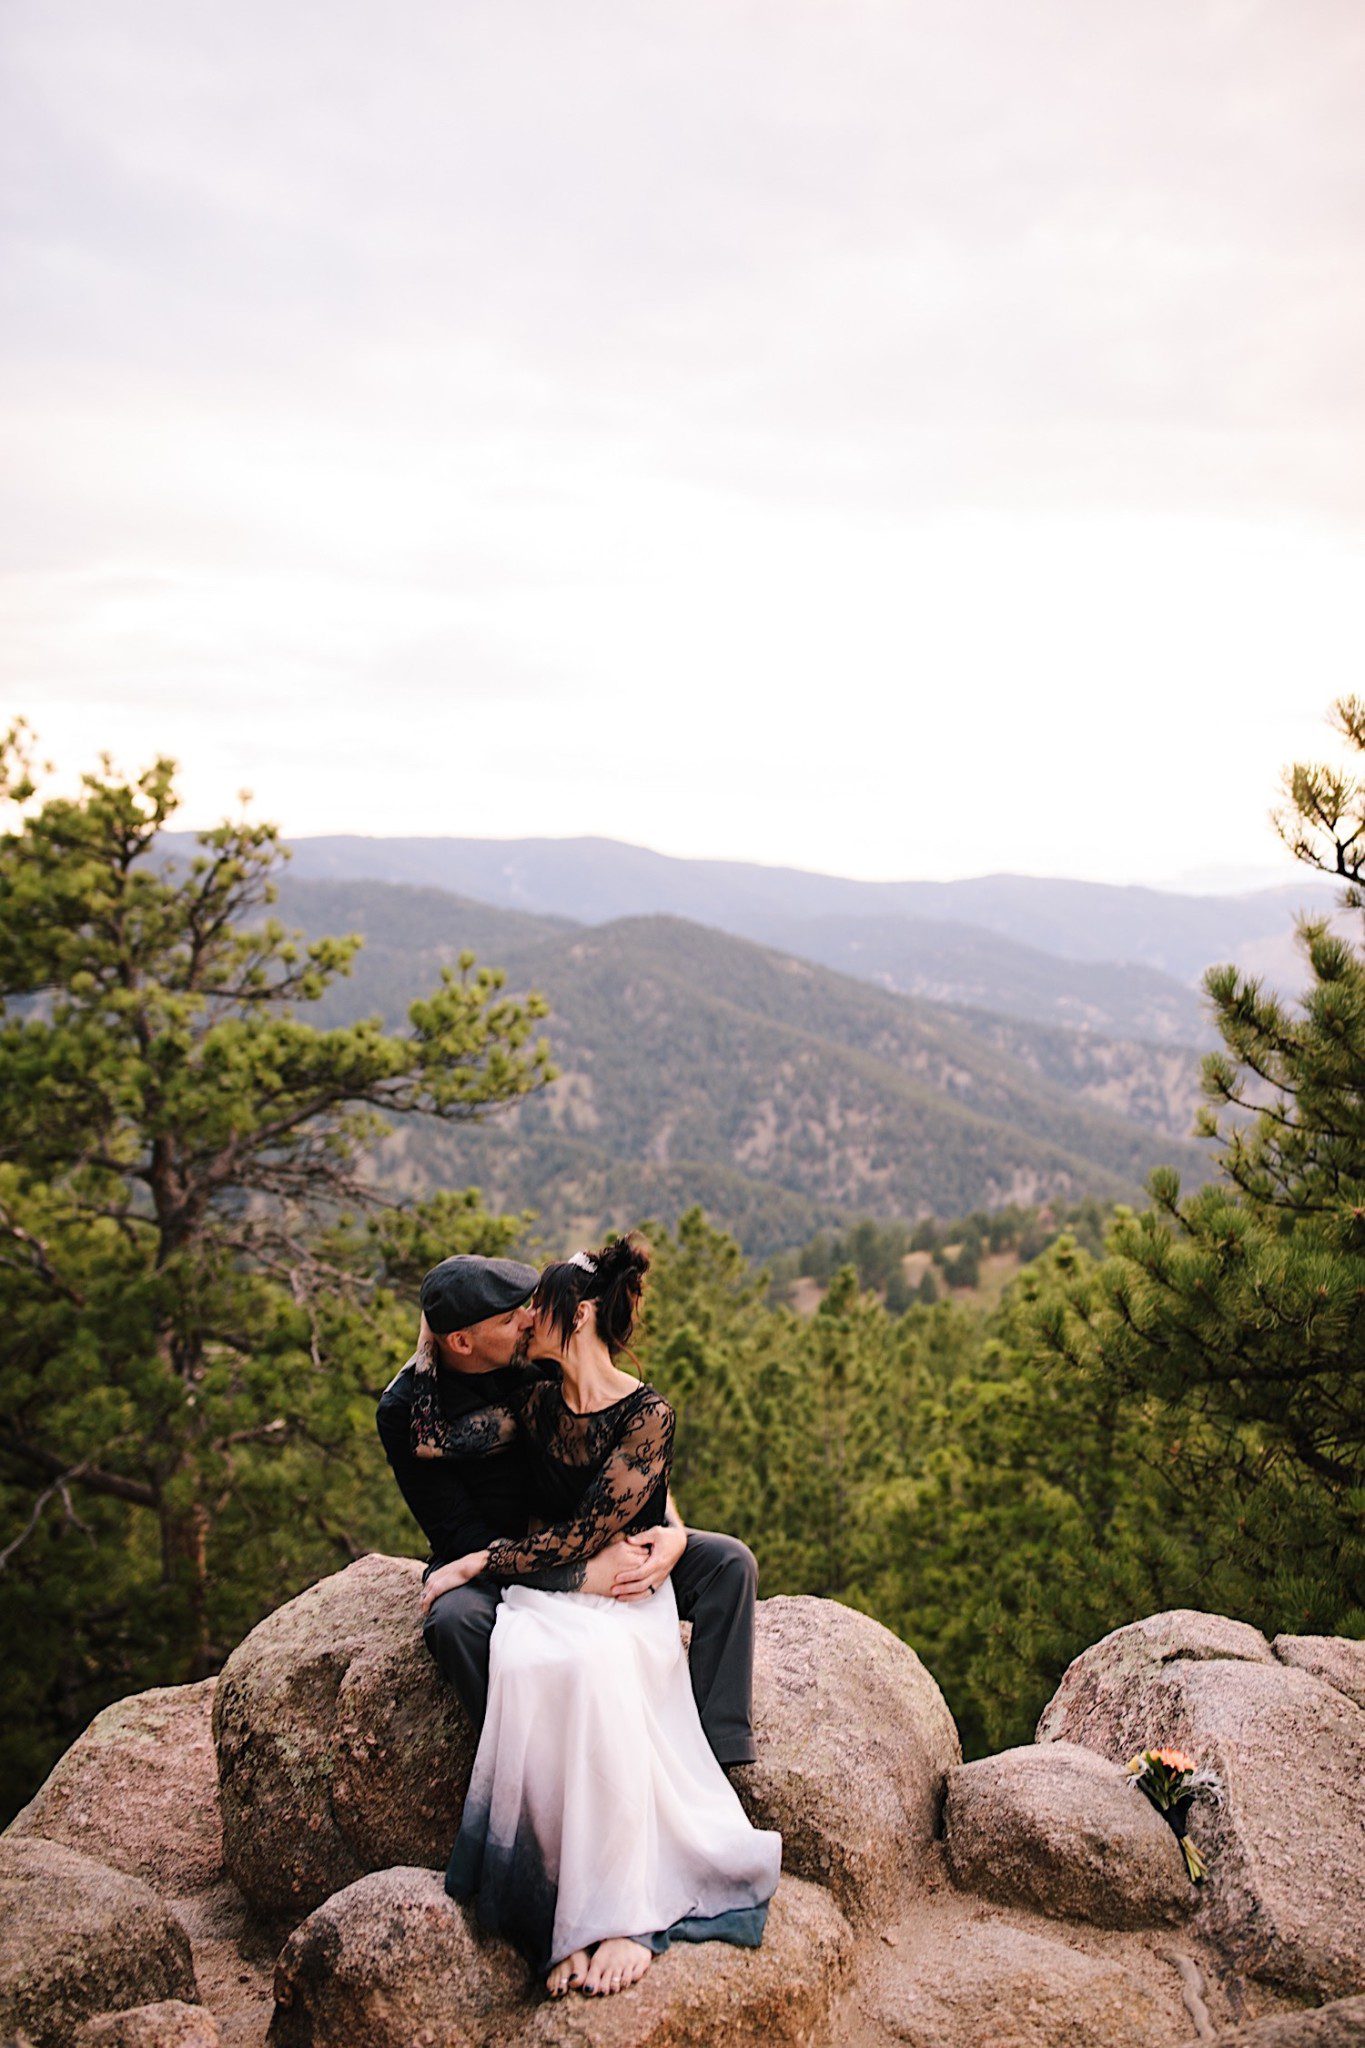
column 794, row 1050
column 697, row 1066
column 964, row 963
column 1132, row 956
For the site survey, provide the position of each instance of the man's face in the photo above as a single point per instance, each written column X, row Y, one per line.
column 497, row 1340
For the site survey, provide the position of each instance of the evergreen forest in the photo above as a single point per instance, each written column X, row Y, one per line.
column 206, row 1283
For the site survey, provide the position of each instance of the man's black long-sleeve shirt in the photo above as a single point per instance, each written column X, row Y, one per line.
column 460, row 1504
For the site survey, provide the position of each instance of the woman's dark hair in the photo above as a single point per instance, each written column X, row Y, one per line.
column 612, row 1279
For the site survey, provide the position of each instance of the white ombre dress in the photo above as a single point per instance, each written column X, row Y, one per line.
column 596, row 1807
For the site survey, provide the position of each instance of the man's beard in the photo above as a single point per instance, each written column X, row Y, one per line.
column 523, row 1348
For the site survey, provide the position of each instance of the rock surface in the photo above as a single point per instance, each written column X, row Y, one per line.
column 832, row 1686
column 706, row 1995
column 391, row 1962
column 386, row 1959
column 1286, row 1889
column 1338, row 2025
column 77, row 1939
column 139, row 1791
column 169, row 2024
column 1063, row 1830
column 343, row 1764
column 1182, row 1635
column 339, row 1749
column 997, row 1986
column 1338, row 1660
column 234, row 1962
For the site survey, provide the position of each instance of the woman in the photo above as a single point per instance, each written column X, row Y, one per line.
column 598, row 1826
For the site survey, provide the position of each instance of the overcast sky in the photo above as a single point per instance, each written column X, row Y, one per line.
column 896, row 439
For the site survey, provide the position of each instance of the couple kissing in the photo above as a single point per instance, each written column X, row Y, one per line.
column 600, row 1824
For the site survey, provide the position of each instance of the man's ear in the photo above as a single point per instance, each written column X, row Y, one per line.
column 458, row 1342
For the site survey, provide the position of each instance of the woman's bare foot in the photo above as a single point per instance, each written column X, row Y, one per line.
column 565, row 1975
column 615, row 1964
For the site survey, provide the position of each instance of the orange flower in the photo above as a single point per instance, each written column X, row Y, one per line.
column 1174, row 1759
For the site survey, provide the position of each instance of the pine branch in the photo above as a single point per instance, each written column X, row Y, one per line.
column 39, row 1259
column 99, row 1481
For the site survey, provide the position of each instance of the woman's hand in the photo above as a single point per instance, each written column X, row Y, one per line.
column 447, row 1577
column 653, row 1555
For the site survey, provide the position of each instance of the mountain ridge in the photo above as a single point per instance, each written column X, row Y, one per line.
column 699, row 1065
column 591, row 880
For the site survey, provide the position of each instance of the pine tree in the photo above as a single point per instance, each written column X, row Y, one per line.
column 192, row 1338
column 1244, row 1303
column 704, row 1331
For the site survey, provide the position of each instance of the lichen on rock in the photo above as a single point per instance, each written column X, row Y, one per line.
column 1061, row 1829
column 854, row 1738
column 139, row 1790
column 339, row 1749
column 77, row 1939
column 385, row 1958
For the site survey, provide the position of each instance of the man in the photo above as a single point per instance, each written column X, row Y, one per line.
column 477, row 1312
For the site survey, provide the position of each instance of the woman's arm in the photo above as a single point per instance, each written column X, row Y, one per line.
column 637, row 1466
column 615, row 1573
column 598, row 1574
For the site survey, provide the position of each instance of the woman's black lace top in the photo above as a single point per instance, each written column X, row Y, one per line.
column 594, row 1476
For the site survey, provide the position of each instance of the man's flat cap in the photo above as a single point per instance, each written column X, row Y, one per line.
column 465, row 1289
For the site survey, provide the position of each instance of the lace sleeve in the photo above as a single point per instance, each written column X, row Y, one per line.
column 618, row 1498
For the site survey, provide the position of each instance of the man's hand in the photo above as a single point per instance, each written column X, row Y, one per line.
column 653, row 1554
column 447, row 1577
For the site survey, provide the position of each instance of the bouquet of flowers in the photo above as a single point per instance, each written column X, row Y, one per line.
column 1172, row 1782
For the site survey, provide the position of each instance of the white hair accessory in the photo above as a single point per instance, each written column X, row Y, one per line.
column 583, row 1259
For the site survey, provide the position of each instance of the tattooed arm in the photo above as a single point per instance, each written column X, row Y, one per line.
column 584, row 1574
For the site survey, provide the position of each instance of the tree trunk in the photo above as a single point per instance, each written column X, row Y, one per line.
column 184, row 1567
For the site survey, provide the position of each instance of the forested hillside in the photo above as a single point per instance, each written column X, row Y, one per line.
column 699, row 1067
column 966, row 964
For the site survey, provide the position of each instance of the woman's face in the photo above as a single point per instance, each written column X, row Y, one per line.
column 545, row 1338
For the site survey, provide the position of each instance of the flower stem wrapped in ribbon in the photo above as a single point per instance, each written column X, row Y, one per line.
column 1172, row 1782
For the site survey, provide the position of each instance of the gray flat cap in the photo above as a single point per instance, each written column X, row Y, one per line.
column 466, row 1289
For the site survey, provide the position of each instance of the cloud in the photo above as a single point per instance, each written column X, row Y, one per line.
column 804, row 390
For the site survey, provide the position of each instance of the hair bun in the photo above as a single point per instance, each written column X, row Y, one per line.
column 626, row 1257
column 616, row 1289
